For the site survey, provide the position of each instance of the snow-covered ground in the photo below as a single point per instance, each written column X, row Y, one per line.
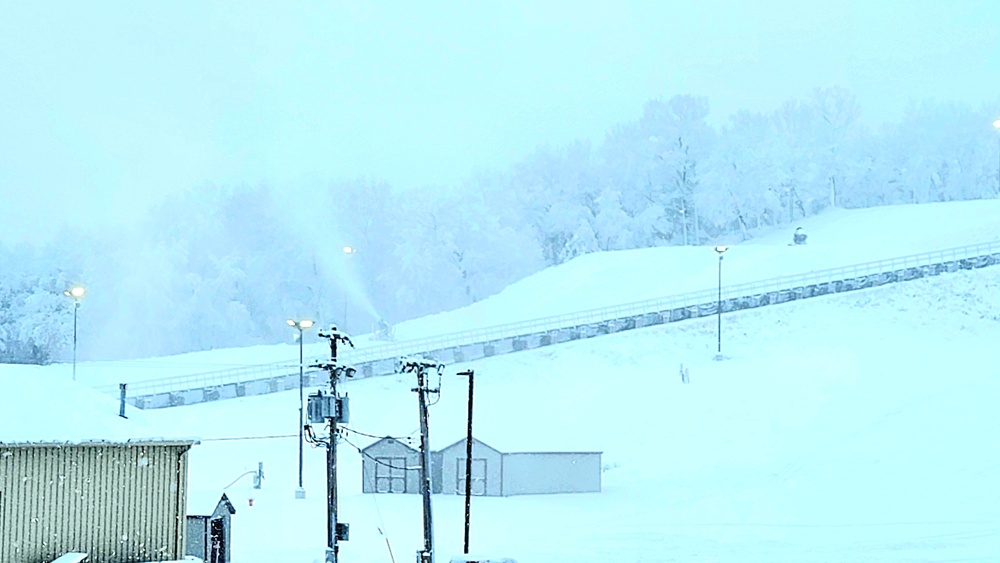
column 838, row 238
column 858, row 427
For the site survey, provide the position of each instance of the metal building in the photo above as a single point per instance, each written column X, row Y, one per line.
column 77, row 478
column 209, row 527
column 117, row 502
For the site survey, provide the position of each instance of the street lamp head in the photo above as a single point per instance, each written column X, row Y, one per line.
column 76, row 292
column 306, row 323
column 997, row 124
column 720, row 249
column 350, row 250
column 291, row 323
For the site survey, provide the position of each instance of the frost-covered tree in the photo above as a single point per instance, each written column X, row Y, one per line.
column 226, row 265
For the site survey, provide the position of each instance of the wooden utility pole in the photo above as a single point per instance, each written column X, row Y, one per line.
column 425, row 466
column 333, row 410
column 420, row 367
column 468, row 462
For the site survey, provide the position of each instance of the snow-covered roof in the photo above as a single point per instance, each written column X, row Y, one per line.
column 204, row 502
column 40, row 408
column 530, row 446
column 388, row 440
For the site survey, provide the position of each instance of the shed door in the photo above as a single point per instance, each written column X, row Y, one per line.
column 390, row 474
column 217, row 537
column 478, row 476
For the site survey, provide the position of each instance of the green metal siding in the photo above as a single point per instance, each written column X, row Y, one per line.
column 117, row 502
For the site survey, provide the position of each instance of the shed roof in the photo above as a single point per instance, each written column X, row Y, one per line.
column 43, row 409
column 474, row 441
column 387, row 440
column 204, row 502
column 519, row 442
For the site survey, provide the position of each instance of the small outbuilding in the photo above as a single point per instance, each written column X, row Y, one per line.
column 390, row 466
column 487, row 469
column 208, row 527
column 541, row 473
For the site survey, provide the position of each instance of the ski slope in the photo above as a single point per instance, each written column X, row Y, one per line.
column 857, row 427
column 838, row 238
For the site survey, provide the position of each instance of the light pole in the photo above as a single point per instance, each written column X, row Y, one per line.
column 348, row 251
column 76, row 293
column 718, row 306
column 300, row 325
column 996, row 125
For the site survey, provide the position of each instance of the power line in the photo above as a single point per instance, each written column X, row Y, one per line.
column 365, row 434
column 275, row 437
column 380, row 529
column 378, row 460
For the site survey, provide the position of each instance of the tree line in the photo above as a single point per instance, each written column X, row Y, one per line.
column 222, row 266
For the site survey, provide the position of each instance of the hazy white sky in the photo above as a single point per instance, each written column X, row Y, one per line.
column 104, row 107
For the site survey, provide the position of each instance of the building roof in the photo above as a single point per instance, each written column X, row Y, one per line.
column 43, row 409
column 517, row 443
column 474, row 441
column 205, row 502
column 388, row 440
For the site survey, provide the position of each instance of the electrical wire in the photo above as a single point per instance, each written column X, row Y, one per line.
column 366, row 435
column 275, row 437
column 381, row 527
column 377, row 460
column 437, row 391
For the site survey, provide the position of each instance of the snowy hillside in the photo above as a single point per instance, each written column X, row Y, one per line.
column 853, row 428
column 856, row 427
column 838, row 238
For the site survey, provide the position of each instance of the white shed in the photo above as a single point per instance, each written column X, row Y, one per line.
column 389, row 466
column 535, row 473
column 487, row 469
column 505, row 473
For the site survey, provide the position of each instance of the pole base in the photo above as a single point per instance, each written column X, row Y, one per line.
column 300, row 493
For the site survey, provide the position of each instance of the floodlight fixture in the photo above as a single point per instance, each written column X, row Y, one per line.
column 76, row 292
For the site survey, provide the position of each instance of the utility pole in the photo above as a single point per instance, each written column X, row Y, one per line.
column 333, row 409
column 420, row 367
column 468, row 462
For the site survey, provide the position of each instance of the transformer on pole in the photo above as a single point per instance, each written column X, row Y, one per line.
column 332, row 409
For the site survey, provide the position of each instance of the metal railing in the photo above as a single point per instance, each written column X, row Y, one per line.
column 394, row 350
